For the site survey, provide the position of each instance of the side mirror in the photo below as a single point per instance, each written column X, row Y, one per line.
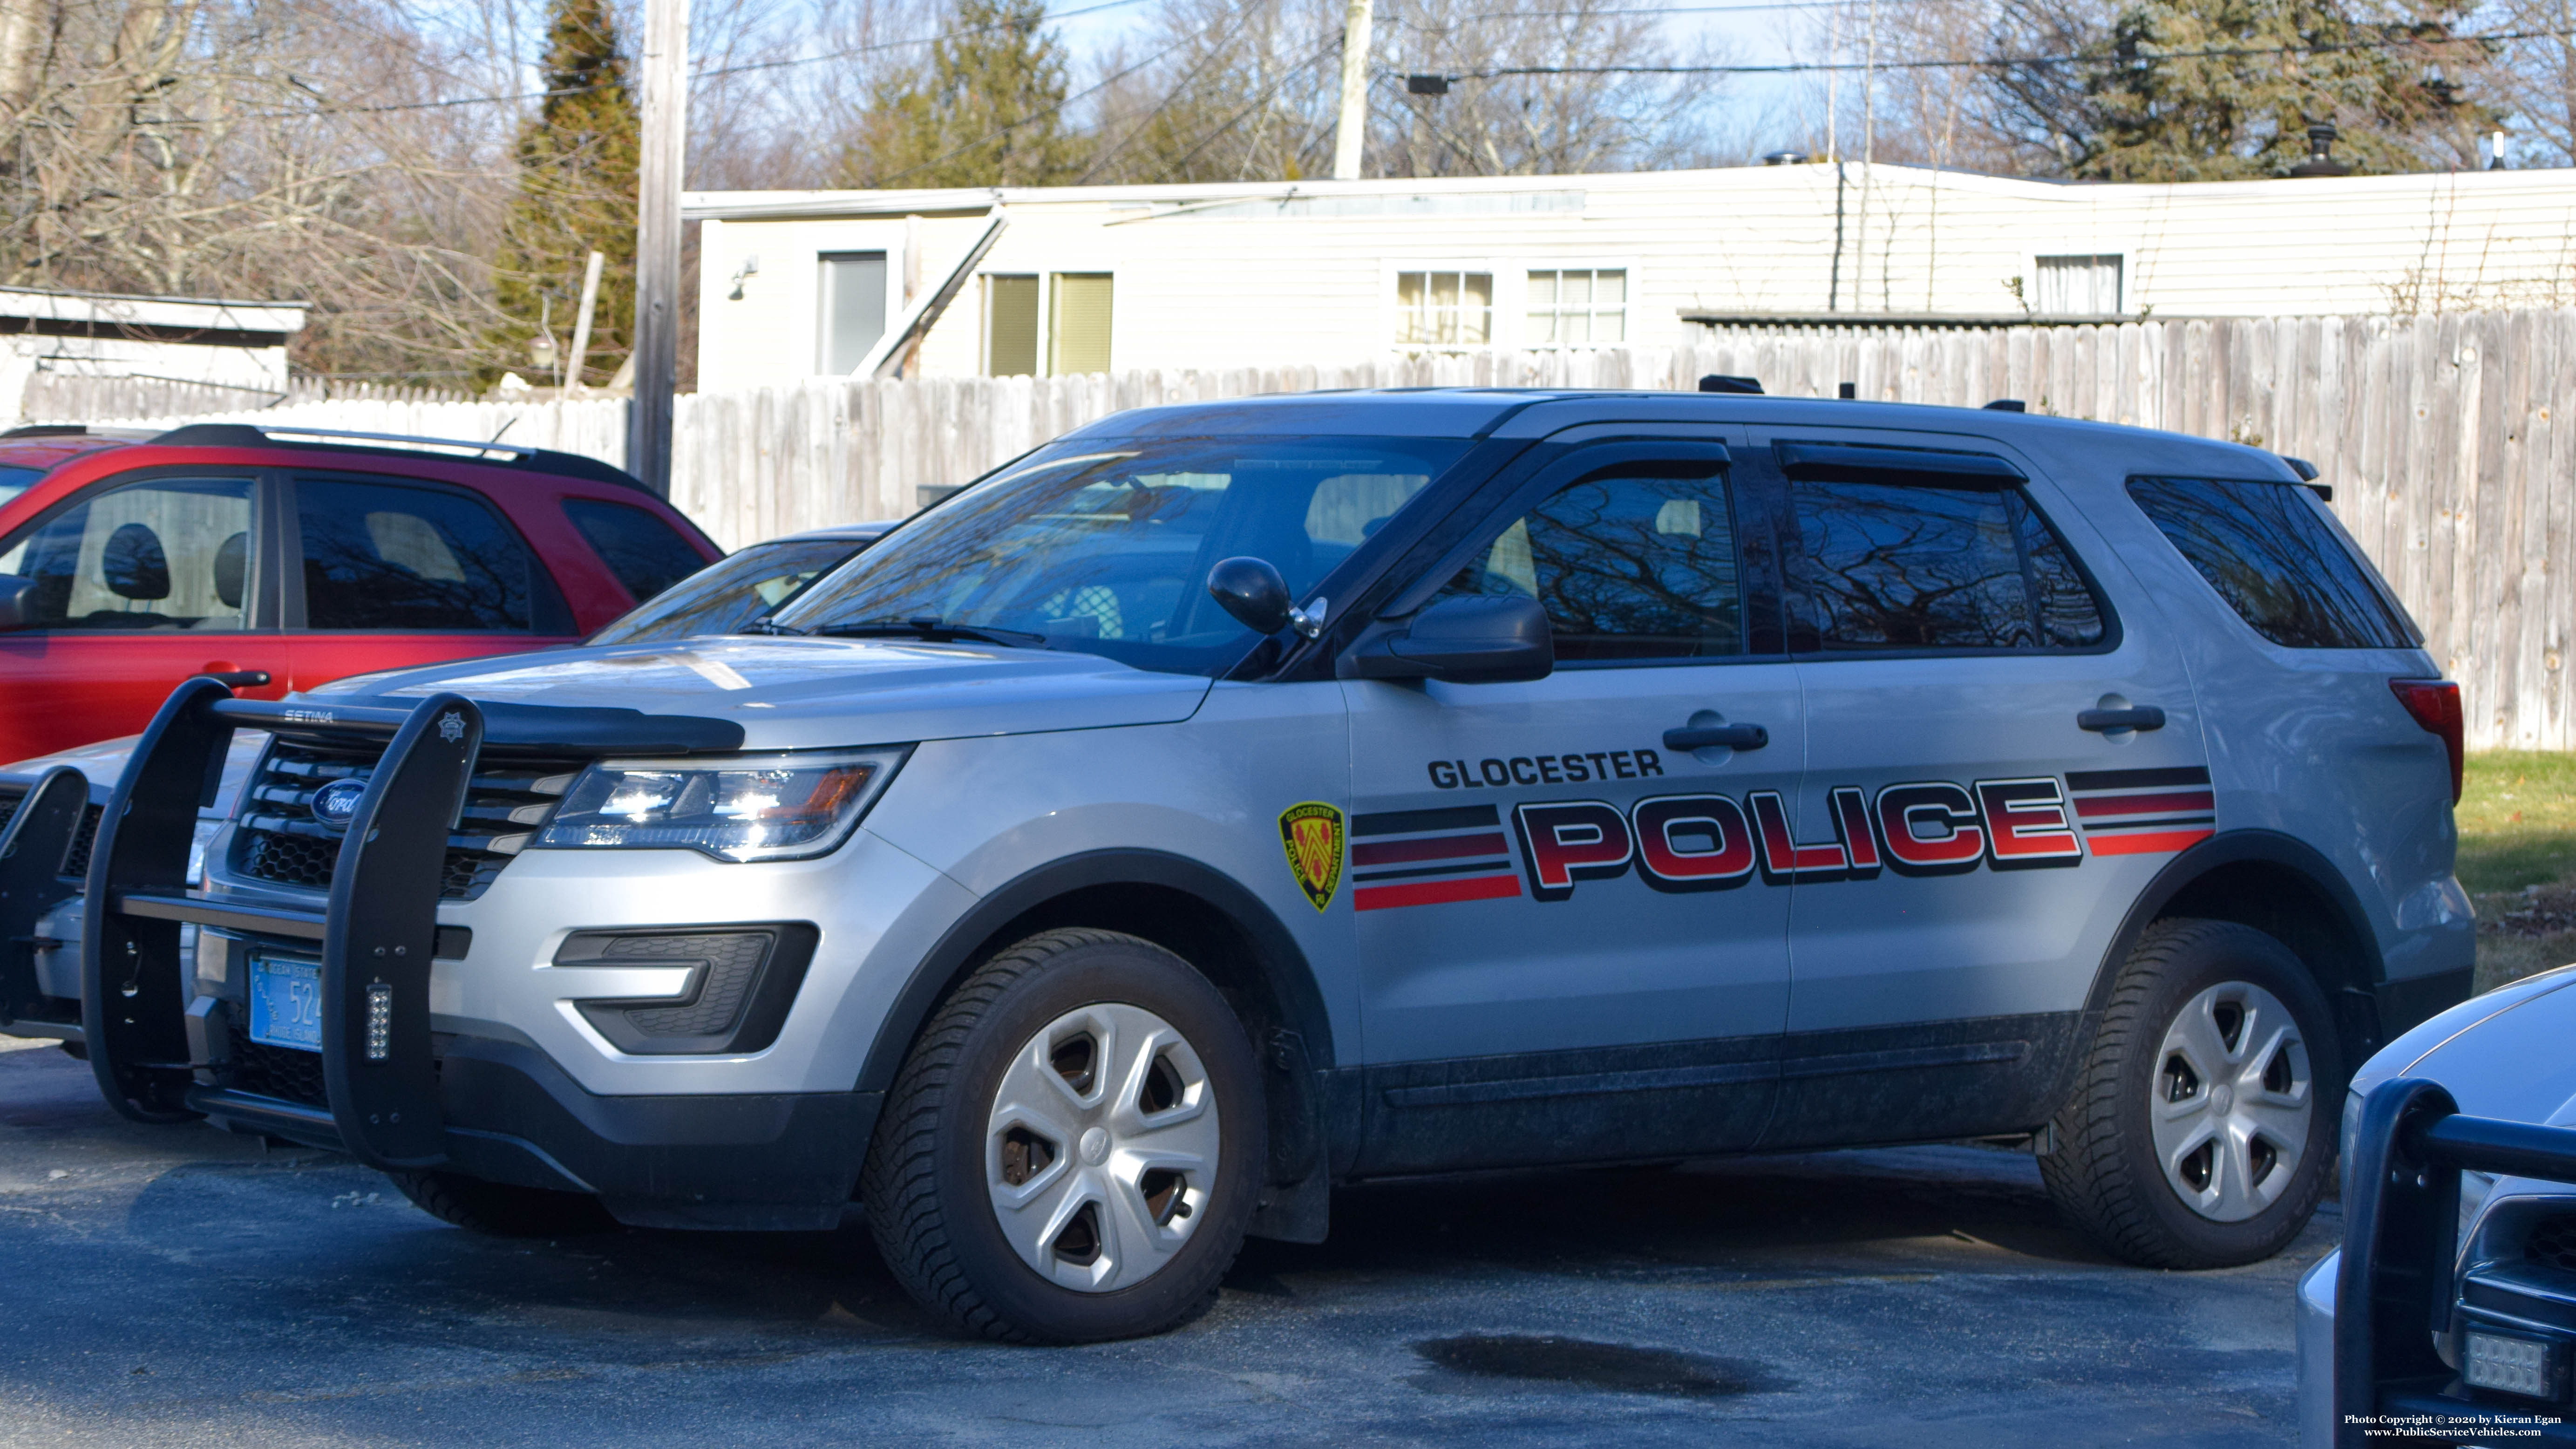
column 1252, row 591
column 17, row 601
column 1501, row 640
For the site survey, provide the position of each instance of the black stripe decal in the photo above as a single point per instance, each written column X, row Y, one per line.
column 1966, row 1054
column 2160, row 822
column 1472, row 867
column 2136, row 779
column 1413, row 822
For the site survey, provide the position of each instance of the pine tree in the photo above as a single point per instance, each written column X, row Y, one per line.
column 986, row 110
column 2161, row 107
column 576, row 161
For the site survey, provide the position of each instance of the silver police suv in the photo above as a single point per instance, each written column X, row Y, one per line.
column 1226, row 801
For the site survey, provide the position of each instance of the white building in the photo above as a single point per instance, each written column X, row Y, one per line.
column 171, row 339
column 1081, row 279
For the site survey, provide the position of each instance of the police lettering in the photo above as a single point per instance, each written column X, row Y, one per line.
column 1546, row 769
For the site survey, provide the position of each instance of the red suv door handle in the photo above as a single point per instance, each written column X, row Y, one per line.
column 2143, row 717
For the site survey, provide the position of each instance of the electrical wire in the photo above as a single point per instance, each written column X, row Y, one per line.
column 1998, row 62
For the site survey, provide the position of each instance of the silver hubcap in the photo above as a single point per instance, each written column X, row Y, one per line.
column 2230, row 1101
column 1101, row 1147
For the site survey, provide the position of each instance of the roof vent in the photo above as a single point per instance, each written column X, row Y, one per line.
column 2321, row 161
column 1720, row 382
column 1785, row 158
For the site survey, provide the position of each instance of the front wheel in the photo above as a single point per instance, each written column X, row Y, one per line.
column 1072, row 1149
column 2203, row 1126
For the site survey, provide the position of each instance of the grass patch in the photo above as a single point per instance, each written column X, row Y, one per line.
column 2517, row 817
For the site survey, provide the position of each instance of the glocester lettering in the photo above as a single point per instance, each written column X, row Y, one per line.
column 1571, row 769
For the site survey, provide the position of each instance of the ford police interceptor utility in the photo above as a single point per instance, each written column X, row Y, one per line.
column 1225, row 801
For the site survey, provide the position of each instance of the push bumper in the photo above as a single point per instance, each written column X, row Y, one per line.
column 34, row 850
column 391, row 1092
column 2396, row 1294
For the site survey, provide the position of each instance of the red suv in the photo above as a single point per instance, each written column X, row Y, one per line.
column 128, row 563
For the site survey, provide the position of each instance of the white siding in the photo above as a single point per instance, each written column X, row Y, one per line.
column 1236, row 283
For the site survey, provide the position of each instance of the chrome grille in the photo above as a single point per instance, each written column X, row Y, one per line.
column 506, row 802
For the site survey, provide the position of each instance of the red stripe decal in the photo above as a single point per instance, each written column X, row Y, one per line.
column 1435, row 892
column 2142, row 804
column 2161, row 841
column 1445, row 847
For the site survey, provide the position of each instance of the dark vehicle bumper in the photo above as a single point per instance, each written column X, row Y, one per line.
column 2399, row 1291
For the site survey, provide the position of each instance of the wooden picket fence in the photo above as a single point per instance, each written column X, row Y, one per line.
column 2437, row 434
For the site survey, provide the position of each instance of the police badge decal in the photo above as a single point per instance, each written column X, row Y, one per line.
column 1312, row 834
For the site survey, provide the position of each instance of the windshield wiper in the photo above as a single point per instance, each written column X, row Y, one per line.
column 930, row 627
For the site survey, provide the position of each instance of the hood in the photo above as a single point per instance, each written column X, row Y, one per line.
column 789, row 693
column 2503, row 1054
column 103, row 763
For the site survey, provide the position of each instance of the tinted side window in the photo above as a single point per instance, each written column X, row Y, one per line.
column 173, row 553
column 647, row 554
column 2269, row 551
column 1903, row 565
column 724, row 596
column 1628, row 567
column 387, row 556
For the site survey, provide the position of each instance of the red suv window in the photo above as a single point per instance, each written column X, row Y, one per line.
column 422, row 560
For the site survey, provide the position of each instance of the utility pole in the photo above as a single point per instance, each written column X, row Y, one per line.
column 665, row 141
column 1353, row 127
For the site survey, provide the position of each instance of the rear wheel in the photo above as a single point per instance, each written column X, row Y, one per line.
column 1072, row 1149
column 2202, row 1130
column 501, row 1209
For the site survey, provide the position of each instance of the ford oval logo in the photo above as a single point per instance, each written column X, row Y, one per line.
column 336, row 804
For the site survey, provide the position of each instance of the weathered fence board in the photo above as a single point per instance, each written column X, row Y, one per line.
column 2440, row 436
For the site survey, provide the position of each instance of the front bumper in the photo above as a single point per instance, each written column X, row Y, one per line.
column 2399, row 1300
column 393, row 1084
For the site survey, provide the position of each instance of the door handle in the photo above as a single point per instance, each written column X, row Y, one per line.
column 2142, row 717
column 1732, row 736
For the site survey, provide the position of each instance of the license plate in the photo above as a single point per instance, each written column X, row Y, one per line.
column 286, row 1003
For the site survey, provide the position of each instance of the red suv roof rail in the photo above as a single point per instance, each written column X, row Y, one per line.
column 284, row 435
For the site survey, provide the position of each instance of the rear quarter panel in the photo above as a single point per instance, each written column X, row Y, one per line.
column 2307, row 742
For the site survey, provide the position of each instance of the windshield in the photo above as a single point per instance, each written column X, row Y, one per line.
column 14, row 481
column 1105, row 546
column 724, row 596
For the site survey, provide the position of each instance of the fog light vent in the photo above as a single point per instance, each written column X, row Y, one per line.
column 2532, row 1367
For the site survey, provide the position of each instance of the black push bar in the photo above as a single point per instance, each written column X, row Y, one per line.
column 34, row 848
column 376, row 936
column 2394, row 1294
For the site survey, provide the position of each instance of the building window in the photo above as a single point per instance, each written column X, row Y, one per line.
column 1079, row 326
column 1444, row 309
column 2078, row 286
column 1578, row 308
column 1010, row 326
column 853, row 310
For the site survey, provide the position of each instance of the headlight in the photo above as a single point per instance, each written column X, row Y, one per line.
column 750, row 807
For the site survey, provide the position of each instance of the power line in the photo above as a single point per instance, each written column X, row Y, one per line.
column 2005, row 62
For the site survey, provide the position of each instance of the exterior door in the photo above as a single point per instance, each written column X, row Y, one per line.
column 393, row 573
column 1568, row 949
column 2007, row 756
column 139, row 584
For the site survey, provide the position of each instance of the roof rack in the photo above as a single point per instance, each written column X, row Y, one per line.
column 513, row 455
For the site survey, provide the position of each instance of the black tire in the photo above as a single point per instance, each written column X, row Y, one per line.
column 926, row 1191
column 500, row 1209
column 2104, row 1170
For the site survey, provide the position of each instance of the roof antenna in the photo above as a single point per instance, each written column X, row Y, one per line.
column 505, row 427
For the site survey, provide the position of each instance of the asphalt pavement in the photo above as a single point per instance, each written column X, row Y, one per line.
column 178, row 1286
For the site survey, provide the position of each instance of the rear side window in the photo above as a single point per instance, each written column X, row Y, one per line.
column 385, row 556
column 2272, row 554
column 1890, row 565
column 647, row 554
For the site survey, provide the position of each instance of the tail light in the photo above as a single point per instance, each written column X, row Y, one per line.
column 2435, row 703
